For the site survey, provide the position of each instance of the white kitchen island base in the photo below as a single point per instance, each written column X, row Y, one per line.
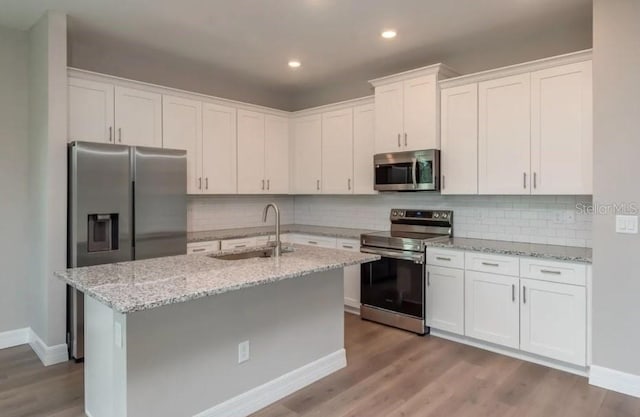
column 182, row 359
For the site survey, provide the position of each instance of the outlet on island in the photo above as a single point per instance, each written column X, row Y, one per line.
column 243, row 351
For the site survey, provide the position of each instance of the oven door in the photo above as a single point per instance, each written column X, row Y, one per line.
column 407, row 171
column 395, row 282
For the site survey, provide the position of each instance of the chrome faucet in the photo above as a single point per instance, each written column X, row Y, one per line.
column 278, row 248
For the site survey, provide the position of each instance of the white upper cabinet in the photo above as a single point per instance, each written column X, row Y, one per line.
column 276, row 154
column 337, row 152
column 421, row 114
column 561, row 129
column 219, row 159
column 90, row 111
column 389, row 118
column 459, row 140
column 408, row 109
column 251, row 147
column 504, row 135
column 307, row 157
column 182, row 129
column 138, row 116
column 363, row 143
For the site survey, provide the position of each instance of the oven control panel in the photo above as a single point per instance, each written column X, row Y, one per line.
column 411, row 214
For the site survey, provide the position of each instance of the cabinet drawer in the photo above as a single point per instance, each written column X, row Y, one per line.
column 203, row 247
column 349, row 244
column 553, row 271
column 322, row 241
column 494, row 264
column 445, row 257
column 238, row 243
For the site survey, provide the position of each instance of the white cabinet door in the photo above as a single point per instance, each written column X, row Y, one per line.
column 554, row 320
column 445, row 299
column 504, row 135
column 277, row 154
column 337, row 152
column 421, row 114
column 562, row 130
column 90, row 111
column 307, row 162
column 182, row 129
column 219, row 155
column 351, row 275
column 389, row 118
column 459, row 142
column 251, row 178
column 363, row 143
column 138, row 117
column 492, row 308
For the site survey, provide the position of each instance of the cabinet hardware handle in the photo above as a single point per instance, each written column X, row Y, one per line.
column 405, row 139
column 428, row 279
column 524, row 180
column 206, row 183
column 399, row 144
column 263, row 184
column 490, row 264
column 268, row 184
column 318, row 185
column 442, row 258
column 198, row 250
column 200, row 183
column 349, row 184
column 443, row 182
column 524, row 295
column 110, row 133
column 240, row 246
column 312, row 242
column 347, row 246
column 120, row 134
column 535, row 180
column 548, row 271
column 513, row 292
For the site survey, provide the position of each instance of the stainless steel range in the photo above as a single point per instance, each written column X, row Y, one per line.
column 393, row 288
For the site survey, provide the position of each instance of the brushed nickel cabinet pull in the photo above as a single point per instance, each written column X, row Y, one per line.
column 524, row 180
column 349, row 184
column 240, row 246
column 443, row 182
column 490, row 264
column 513, row 292
column 263, row 184
column 347, row 246
column 198, row 250
column 110, row 133
column 399, row 144
column 548, row 271
column 442, row 258
column 428, row 279
column 206, row 183
column 535, row 180
column 200, row 183
column 405, row 139
column 312, row 242
column 318, row 185
column 524, row 295
column 268, row 184
column 120, row 134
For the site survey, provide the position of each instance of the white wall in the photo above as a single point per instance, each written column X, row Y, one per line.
column 616, row 264
column 14, row 175
column 512, row 218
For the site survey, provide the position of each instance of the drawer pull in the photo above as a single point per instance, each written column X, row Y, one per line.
column 513, row 292
column 548, row 271
column 524, row 294
column 240, row 246
column 311, row 242
column 442, row 258
column 428, row 279
column 490, row 264
column 198, row 250
column 347, row 246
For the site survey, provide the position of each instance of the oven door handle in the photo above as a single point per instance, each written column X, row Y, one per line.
column 405, row 256
column 414, row 166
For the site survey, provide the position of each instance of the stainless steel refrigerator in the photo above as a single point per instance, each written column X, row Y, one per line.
column 125, row 203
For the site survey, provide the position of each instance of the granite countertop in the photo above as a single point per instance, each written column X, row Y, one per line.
column 142, row 285
column 552, row 252
column 221, row 234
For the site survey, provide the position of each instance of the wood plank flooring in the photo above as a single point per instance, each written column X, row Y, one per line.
column 391, row 373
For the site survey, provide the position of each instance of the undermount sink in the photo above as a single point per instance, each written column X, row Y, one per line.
column 259, row 253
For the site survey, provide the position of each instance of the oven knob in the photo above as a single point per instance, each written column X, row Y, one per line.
column 394, row 213
column 444, row 215
column 401, row 213
column 436, row 215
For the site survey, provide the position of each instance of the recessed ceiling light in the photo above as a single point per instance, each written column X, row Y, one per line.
column 389, row 34
column 294, row 63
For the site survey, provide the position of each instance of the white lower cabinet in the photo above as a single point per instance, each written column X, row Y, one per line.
column 492, row 308
column 445, row 299
column 553, row 320
column 203, row 247
column 351, row 275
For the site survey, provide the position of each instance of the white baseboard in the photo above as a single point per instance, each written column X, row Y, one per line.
column 13, row 338
column 266, row 394
column 351, row 308
column 615, row 380
column 49, row 355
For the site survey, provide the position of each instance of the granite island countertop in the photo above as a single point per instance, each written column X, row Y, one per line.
column 133, row 286
column 243, row 232
column 551, row 252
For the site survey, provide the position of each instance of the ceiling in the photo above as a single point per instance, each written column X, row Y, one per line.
column 256, row 38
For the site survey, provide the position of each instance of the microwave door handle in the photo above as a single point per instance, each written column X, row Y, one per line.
column 414, row 166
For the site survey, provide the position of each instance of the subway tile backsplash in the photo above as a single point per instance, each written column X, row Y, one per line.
column 537, row 219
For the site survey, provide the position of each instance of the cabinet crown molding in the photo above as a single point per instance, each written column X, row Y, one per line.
column 442, row 70
column 516, row 69
column 334, row 106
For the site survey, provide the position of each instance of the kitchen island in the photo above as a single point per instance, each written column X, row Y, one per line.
column 165, row 337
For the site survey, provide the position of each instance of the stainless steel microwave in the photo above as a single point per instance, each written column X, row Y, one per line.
column 407, row 171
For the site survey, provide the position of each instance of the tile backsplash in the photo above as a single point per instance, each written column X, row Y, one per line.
column 536, row 219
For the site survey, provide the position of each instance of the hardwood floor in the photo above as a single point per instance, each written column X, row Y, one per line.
column 391, row 373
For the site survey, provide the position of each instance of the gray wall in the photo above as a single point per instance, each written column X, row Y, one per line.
column 14, row 174
column 616, row 267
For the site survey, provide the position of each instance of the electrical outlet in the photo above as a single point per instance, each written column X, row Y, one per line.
column 243, row 351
